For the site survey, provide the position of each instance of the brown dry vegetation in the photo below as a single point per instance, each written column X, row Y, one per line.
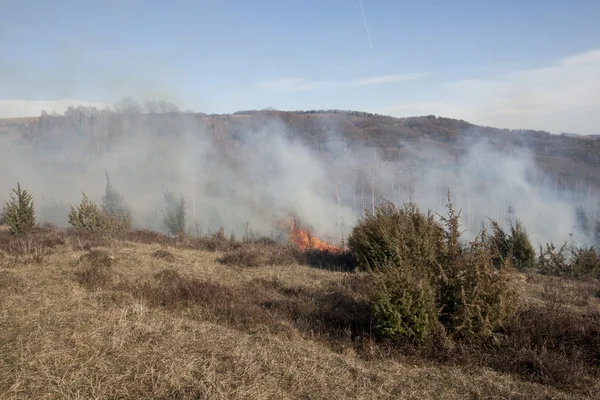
column 148, row 316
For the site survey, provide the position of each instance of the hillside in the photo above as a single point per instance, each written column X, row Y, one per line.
column 570, row 157
column 257, row 167
column 248, row 297
column 148, row 317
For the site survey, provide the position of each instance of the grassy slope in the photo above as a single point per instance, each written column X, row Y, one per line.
column 62, row 339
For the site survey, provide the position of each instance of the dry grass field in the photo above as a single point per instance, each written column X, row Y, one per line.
column 89, row 318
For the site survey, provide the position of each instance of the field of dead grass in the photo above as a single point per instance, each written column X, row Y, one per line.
column 84, row 318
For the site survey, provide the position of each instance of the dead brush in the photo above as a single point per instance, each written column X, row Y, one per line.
column 164, row 255
column 256, row 255
column 149, row 237
column 336, row 312
column 553, row 346
column 240, row 308
column 216, row 241
column 339, row 261
column 95, row 271
column 170, row 289
column 33, row 251
column 80, row 239
column 32, row 247
column 267, row 253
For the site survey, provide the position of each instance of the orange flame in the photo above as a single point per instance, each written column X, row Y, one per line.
column 303, row 239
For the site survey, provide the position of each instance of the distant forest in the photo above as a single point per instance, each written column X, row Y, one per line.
column 573, row 161
column 570, row 165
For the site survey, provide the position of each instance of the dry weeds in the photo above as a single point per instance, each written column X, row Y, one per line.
column 191, row 327
column 164, row 255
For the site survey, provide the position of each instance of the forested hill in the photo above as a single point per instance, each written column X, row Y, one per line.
column 386, row 132
column 569, row 157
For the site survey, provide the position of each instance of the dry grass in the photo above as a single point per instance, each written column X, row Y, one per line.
column 125, row 320
column 95, row 271
column 11, row 282
column 256, row 255
column 164, row 255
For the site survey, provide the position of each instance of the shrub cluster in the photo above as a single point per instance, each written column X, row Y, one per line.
column 579, row 264
column 88, row 216
column 113, row 217
column 428, row 281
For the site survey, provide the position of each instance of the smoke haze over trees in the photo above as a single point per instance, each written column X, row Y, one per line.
column 256, row 168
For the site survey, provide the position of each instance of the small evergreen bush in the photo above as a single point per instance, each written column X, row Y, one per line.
column 473, row 297
column 586, row 263
column 552, row 261
column 514, row 247
column 522, row 251
column 88, row 216
column 395, row 236
column 19, row 212
column 404, row 306
column 501, row 245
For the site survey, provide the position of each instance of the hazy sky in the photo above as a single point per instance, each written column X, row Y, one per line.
column 506, row 63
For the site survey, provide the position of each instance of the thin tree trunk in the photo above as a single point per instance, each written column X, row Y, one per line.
column 337, row 194
column 354, row 198
column 364, row 202
column 194, row 201
column 372, row 194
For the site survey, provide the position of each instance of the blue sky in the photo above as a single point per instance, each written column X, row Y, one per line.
column 507, row 63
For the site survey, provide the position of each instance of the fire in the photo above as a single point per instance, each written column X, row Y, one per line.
column 303, row 239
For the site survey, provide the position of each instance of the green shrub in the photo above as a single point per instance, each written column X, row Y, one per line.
column 586, row 263
column 473, row 295
column 514, row 247
column 501, row 245
column 522, row 251
column 394, row 236
column 404, row 306
column 427, row 277
column 552, row 261
column 88, row 216
column 19, row 212
column 583, row 262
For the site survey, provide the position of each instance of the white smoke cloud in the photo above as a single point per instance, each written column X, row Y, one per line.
column 261, row 174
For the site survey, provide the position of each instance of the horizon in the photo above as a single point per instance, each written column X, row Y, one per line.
column 504, row 64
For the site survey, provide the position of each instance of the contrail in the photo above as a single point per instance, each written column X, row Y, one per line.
column 366, row 26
